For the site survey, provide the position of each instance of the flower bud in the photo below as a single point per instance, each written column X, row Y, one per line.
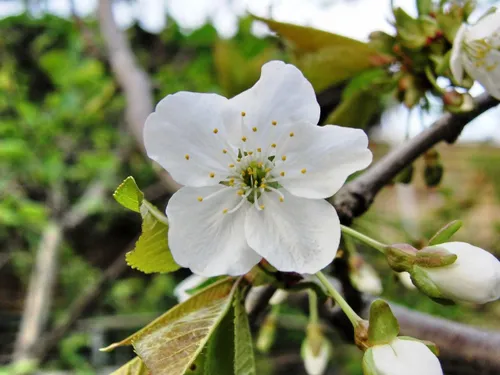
column 401, row 356
column 473, row 277
column 315, row 351
column 401, row 257
column 363, row 276
column 406, row 175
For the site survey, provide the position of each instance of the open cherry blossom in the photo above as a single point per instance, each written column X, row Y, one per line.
column 256, row 169
column 476, row 49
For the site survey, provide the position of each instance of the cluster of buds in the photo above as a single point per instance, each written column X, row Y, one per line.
column 449, row 271
column 419, row 52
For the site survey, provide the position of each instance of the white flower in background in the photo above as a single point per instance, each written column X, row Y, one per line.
column 401, row 356
column 316, row 364
column 473, row 277
column 255, row 170
column 476, row 49
column 188, row 283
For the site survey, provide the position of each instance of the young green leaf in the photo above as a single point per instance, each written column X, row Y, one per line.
column 244, row 361
column 151, row 252
column 132, row 367
column 323, row 57
column 129, row 195
column 170, row 344
column 384, row 326
column 445, row 233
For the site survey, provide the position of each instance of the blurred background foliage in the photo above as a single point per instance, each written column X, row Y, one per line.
column 62, row 128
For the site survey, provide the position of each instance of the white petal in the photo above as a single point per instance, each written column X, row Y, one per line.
column 316, row 365
column 296, row 235
column 282, row 94
column 319, row 159
column 180, row 135
column 203, row 238
column 488, row 75
column 456, row 54
column 405, row 357
column 486, row 27
column 474, row 277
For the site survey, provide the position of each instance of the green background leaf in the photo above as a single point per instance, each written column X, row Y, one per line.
column 134, row 367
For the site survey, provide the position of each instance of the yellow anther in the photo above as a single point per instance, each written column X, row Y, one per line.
column 212, row 174
column 267, row 170
column 243, row 173
column 200, row 199
column 262, row 206
column 240, row 192
column 259, row 164
column 250, row 171
column 224, row 211
column 238, row 160
column 292, row 134
column 224, row 151
column 273, row 145
column 243, row 113
column 186, row 157
column 216, row 131
column 250, row 153
column 274, row 123
column 254, row 129
column 283, row 157
column 231, row 165
column 244, row 139
column 282, row 174
column 263, row 186
column 282, row 199
column 303, row 171
column 231, row 182
column 259, row 149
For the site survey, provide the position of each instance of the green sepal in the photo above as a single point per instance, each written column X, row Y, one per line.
column 258, row 275
column 369, row 363
column 424, row 283
column 424, row 7
column 432, row 347
column 445, row 233
column 129, row 195
column 384, row 326
column 409, row 30
column 435, row 256
column 400, row 257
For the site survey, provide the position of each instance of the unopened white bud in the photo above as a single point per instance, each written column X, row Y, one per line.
column 315, row 364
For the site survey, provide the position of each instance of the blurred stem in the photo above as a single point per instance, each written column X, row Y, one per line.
column 364, row 238
column 351, row 314
column 313, row 307
column 350, row 246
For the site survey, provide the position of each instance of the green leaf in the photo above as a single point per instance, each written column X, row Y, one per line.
column 424, row 7
column 356, row 110
column 323, row 57
column 445, row 233
column 171, row 343
column 384, row 326
column 129, row 195
column 244, row 361
column 424, row 283
column 221, row 341
column 151, row 252
column 133, row 367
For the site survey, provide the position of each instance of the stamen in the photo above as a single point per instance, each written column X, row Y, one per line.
column 224, row 151
column 274, row 123
column 225, row 210
column 276, row 191
column 259, row 149
column 231, row 165
column 262, row 206
column 254, row 129
column 259, row 164
column 283, row 157
column 273, row 145
column 243, row 200
column 256, row 201
column 212, row 174
column 243, row 113
column 244, row 139
column 200, row 199
column 186, row 157
column 303, row 171
column 282, row 174
column 216, row 131
column 292, row 134
column 250, row 153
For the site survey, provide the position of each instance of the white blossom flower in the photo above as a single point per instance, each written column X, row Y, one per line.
column 473, row 277
column 476, row 49
column 255, row 170
column 316, row 364
column 405, row 279
column 188, row 283
column 401, row 356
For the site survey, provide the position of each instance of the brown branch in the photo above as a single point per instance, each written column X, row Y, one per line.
column 133, row 80
column 357, row 196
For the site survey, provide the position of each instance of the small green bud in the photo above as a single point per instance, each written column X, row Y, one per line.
column 406, row 175
column 457, row 103
column 401, row 257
